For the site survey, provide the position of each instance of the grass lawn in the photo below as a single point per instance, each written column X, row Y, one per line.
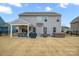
column 39, row 46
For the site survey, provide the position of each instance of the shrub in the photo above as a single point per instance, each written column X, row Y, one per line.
column 32, row 34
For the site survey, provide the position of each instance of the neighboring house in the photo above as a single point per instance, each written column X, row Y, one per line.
column 75, row 24
column 40, row 22
column 3, row 27
column 65, row 29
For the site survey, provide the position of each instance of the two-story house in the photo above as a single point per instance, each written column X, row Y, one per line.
column 41, row 22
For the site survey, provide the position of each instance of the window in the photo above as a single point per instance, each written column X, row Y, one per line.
column 34, row 29
column 54, row 29
column 45, row 30
column 39, row 18
column 45, row 19
column 39, row 24
column 57, row 20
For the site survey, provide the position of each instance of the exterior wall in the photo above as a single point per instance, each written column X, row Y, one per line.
column 4, row 30
column 51, row 22
column 75, row 26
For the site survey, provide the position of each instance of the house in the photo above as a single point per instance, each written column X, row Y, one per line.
column 3, row 27
column 75, row 24
column 40, row 22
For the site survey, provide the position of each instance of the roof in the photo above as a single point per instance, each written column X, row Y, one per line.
column 3, row 23
column 39, row 14
column 76, row 20
column 19, row 22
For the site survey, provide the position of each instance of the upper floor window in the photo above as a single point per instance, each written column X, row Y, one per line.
column 39, row 18
column 39, row 24
column 58, row 20
column 42, row 18
column 45, row 19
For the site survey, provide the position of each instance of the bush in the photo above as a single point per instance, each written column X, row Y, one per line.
column 32, row 34
column 0, row 33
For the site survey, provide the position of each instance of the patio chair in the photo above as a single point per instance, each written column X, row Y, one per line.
column 45, row 35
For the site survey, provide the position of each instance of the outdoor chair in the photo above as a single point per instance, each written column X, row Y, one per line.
column 45, row 35
column 22, row 34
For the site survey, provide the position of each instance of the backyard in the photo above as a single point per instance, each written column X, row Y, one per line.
column 39, row 46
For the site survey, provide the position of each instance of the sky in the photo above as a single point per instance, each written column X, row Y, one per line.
column 10, row 11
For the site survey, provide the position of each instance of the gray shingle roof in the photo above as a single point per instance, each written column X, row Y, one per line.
column 1, row 21
column 19, row 22
column 39, row 13
column 75, row 20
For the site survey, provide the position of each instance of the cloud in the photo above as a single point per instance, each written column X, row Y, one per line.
column 16, row 4
column 39, row 1
column 64, row 5
column 48, row 8
column 12, row 2
column 76, row 4
column 69, row 2
column 8, row 9
column 35, row 1
column 4, row 9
